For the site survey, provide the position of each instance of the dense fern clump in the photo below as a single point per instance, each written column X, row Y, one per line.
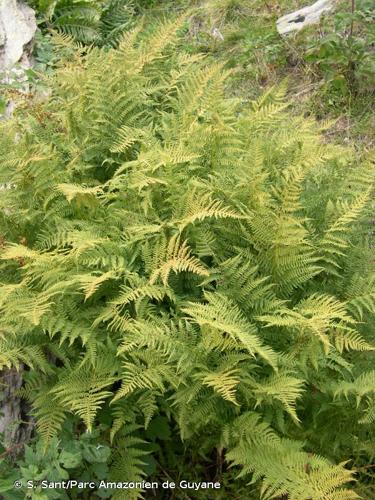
column 169, row 253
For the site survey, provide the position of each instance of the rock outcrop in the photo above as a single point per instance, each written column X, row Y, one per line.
column 17, row 30
column 303, row 17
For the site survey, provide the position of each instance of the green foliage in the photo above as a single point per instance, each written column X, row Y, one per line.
column 99, row 22
column 79, row 19
column 170, row 264
column 343, row 53
column 330, row 64
column 83, row 458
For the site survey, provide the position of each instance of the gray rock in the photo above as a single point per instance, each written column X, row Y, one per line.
column 17, row 30
column 303, row 17
column 15, row 427
column 215, row 33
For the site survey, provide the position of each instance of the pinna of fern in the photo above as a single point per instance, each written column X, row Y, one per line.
column 170, row 248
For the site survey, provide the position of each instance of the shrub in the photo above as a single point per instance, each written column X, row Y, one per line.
column 343, row 53
column 186, row 278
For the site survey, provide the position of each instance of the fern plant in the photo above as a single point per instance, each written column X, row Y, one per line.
column 99, row 22
column 168, row 252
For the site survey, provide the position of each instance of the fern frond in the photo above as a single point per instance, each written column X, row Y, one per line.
column 143, row 375
column 200, row 207
column 129, row 460
column 82, row 390
column 221, row 314
column 281, row 387
column 224, row 383
column 176, row 256
column 364, row 384
column 336, row 236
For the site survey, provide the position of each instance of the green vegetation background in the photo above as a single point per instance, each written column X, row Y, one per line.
column 179, row 241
